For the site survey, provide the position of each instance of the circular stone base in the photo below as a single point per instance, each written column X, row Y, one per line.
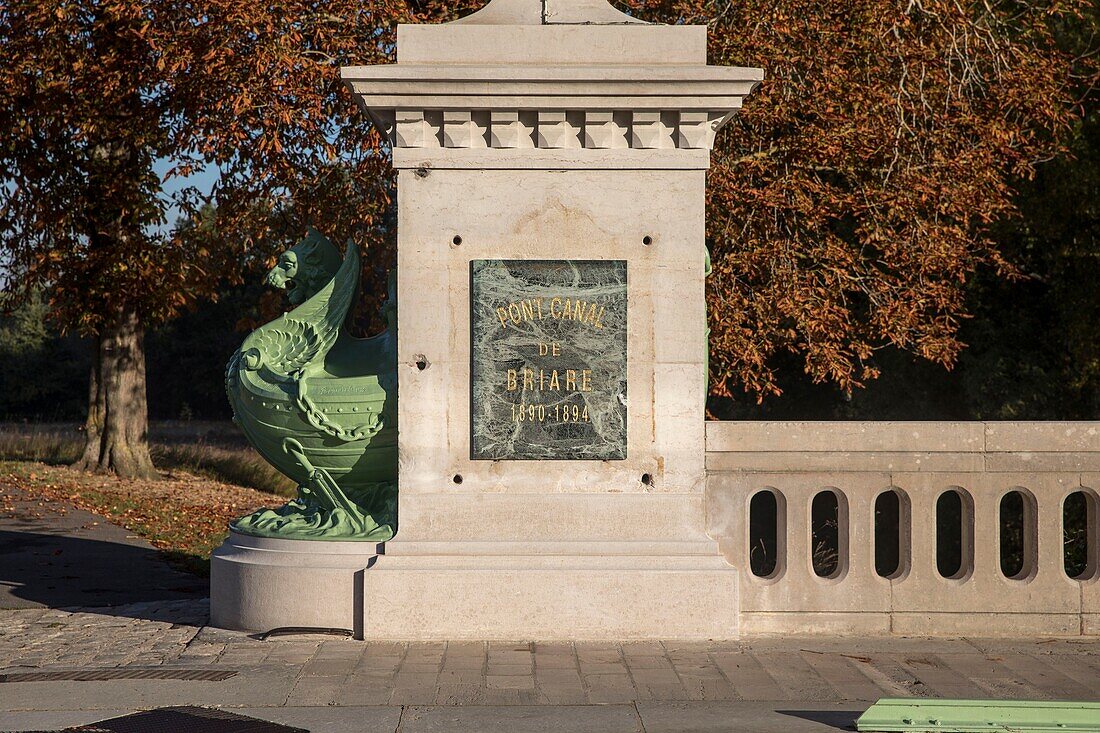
column 259, row 583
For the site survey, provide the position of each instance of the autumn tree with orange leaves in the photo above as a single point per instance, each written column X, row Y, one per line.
column 853, row 197
column 848, row 206
column 94, row 93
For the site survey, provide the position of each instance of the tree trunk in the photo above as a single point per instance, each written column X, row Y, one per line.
column 118, row 410
column 97, row 408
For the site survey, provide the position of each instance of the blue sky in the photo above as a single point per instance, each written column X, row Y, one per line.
column 203, row 180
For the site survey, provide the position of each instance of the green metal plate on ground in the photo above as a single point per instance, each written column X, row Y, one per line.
column 963, row 716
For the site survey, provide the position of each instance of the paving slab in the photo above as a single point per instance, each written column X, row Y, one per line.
column 522, row 719
column 902, row 680
column 372, row 719
column 993, row 676
column 846, row 676
column 748, row 676
column 797, row 679
column 1043, row 676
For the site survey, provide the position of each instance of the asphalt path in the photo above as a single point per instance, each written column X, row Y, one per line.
column 57, row 556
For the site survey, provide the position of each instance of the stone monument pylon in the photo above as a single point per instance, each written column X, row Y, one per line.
column 551, row 158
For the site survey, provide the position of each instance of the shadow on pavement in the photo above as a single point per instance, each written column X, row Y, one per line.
column 57, row 570
column 190, row 719
column 839, row 719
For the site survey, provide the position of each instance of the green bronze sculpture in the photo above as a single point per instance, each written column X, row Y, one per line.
column 319, row 404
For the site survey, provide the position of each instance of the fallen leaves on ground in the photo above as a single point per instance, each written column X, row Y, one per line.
column 184, row 514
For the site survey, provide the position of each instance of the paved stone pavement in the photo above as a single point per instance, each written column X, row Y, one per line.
column 323, row 683
column 341, row 684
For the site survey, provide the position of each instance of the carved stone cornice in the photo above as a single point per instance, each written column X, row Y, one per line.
column 556, row 107
column 611, row 93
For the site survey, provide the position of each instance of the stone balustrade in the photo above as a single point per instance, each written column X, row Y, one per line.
column 924, row 528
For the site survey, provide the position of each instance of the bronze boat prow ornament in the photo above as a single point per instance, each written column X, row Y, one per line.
column 319, row 404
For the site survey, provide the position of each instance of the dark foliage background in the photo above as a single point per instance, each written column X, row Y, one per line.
column 1033, row 344
column 1030, row 345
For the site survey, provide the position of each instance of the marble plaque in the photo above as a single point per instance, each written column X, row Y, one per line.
column 548, row 359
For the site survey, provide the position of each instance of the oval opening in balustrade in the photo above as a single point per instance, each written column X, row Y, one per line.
column 767, row 528
column 1079, row 524
column 1017, row 519
column 954, row 534
column 892, row 533
column 828, row 534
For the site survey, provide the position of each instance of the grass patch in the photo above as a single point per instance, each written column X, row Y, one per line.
column 240, row 466
column 174, row 446
column 52, row 445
